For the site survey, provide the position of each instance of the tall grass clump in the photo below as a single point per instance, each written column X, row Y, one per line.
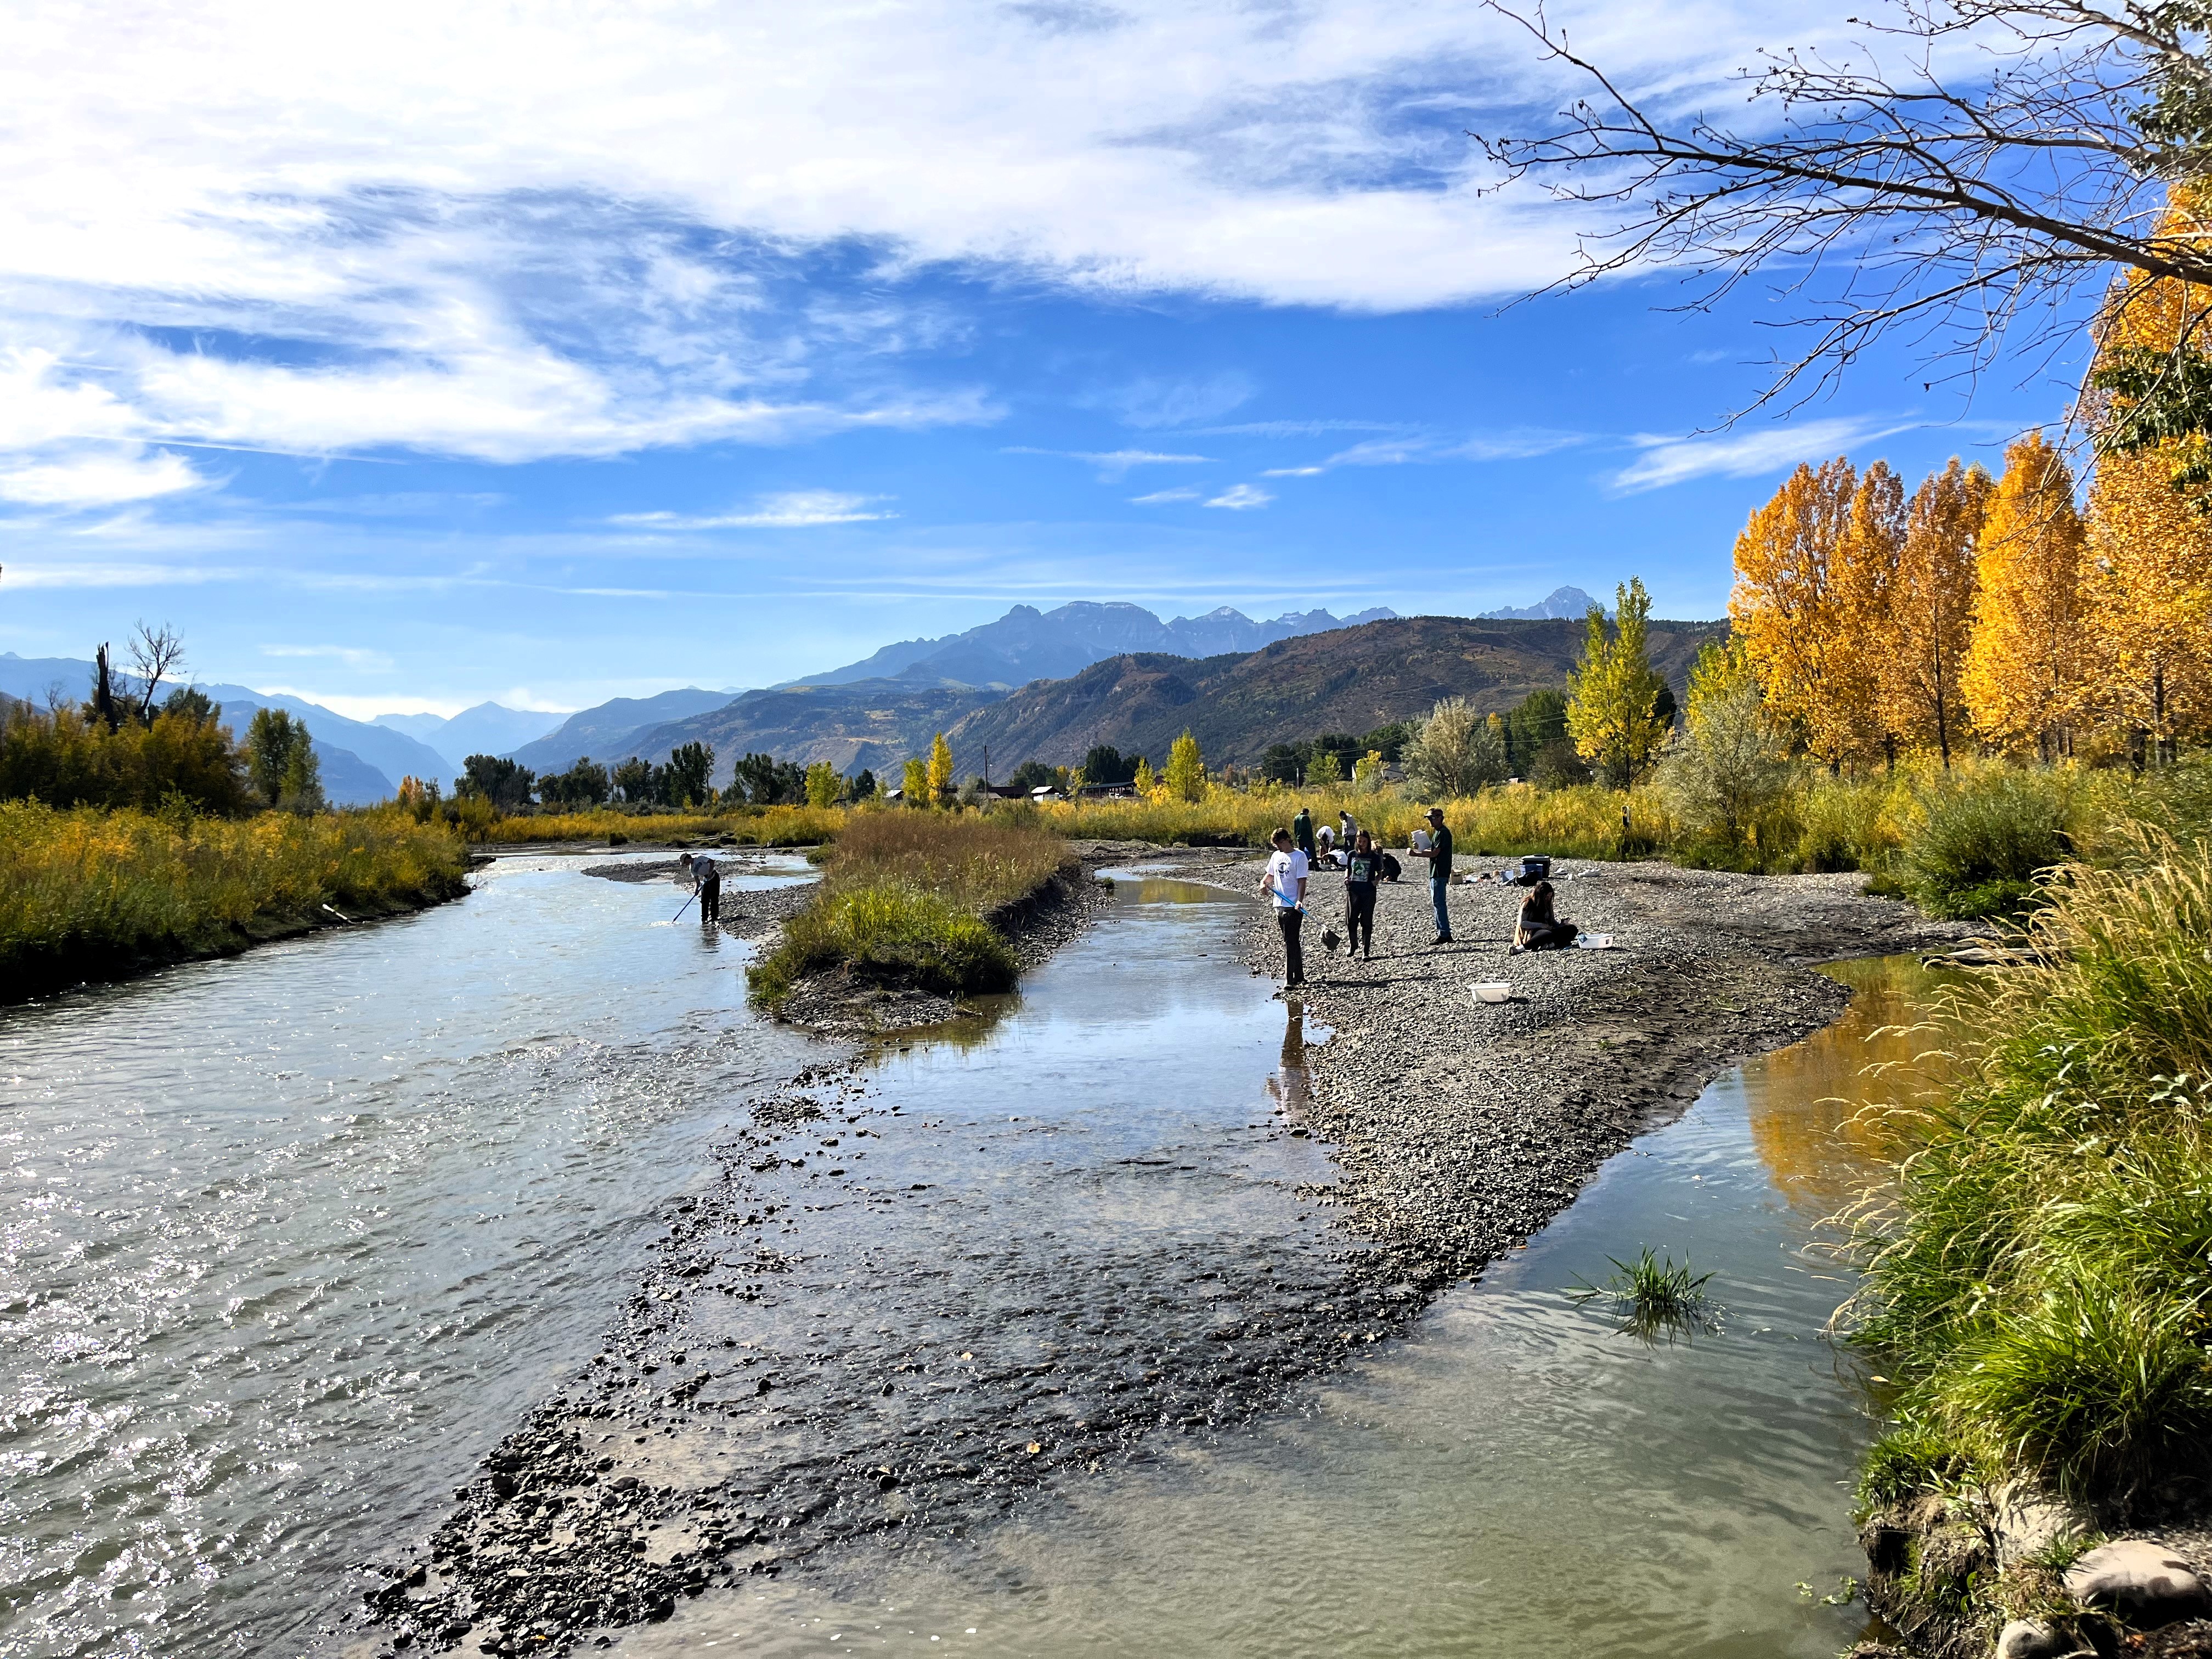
column 907, row 898
column 86, row 891
column 2040, row 1284
column 1979, row 840
column 743, row 826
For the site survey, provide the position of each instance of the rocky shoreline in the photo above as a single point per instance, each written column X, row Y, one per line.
column 1461, row 1127
column 849, row 1334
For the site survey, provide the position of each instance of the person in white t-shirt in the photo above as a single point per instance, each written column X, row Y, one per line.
column 1285, row 884
column 1327, row 838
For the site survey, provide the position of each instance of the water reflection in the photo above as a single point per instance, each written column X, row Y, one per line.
column 1809, row 1104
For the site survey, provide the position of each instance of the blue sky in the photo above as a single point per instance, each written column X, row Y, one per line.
column 411, row 358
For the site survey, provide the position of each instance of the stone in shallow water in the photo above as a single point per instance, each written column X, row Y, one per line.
column 2143, row 1583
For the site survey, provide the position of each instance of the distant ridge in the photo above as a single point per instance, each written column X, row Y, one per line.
column 1028, row 644
column 1570, row 602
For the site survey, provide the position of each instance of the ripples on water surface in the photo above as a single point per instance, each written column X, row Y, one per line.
column 294, row 1238
column 1516, row 1478
column 291, row 1238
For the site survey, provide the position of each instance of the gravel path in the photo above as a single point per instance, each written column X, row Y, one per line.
column 1459, row 1127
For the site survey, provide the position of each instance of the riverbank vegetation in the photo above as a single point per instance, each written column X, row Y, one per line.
column 91, row 891
column 909, row 898
column 737, row 826
column 136, row 828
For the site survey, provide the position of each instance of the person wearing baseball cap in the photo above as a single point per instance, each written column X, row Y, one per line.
column 1438, row 852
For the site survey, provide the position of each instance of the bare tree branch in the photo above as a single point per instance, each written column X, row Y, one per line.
column 1960, row 207
column 155, row 652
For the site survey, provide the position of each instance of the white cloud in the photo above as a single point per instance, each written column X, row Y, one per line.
column 1161, row 497
column 791, row 509
column 1514, row 444
column 1148, row 402
column 1294, row 471
column 1238, row 497
column 93, row 477
column 1668, row 461
column 509, row 234
column 1114, row 465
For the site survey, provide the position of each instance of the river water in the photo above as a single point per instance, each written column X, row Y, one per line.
column 294, row 1239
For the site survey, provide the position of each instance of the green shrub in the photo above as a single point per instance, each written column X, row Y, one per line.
column 2042, row 1283
column 889, row 934
column 1980, row 841
column 1844, row 824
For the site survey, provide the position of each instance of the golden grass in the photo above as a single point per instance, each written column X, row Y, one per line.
column 87, row 891
column 904, row 898
column 748, row 826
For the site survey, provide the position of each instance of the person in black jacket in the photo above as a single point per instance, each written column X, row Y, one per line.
column 1362, row 868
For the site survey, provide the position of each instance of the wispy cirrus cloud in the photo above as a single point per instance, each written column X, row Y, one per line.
column 1666, row 461
column 790, row 509
column 351, row 656
column 1163, row 497
column 1114, row 465
column 1240, row 498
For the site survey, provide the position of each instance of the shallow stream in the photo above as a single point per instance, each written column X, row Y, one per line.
column 293, row 1239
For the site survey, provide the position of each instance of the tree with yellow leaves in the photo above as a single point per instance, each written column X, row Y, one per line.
column 1186, row 773
column 1926, row 615
column 915, row 783
column 1613, row 694
column 2149, row 588
column 2027, row 681
column 1812, row 573
column 1144, row 781
column 939, row 779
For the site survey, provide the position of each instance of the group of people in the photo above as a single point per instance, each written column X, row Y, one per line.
column 1298, row 850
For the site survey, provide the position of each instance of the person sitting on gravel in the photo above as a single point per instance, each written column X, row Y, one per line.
column 1284, row 883
column 1362, row 868
column 1539, row 929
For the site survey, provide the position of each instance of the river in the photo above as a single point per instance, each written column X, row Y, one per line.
column 296, row 1236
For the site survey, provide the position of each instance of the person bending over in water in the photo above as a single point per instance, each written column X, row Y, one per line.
column 1539, row 929
column 1362, row 868
column 707, row 882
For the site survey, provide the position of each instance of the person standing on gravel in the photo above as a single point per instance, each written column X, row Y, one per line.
column 707, row 882
column 1301, row 834
column 1284, row 883
column 1362, row 868
column 1438, row 852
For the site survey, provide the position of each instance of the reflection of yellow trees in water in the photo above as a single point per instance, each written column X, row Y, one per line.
column 1806, row 1103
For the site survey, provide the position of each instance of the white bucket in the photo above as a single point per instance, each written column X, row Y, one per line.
column 1492, row 990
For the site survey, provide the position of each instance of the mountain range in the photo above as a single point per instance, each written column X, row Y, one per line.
column 1352, row 680
column 1568, row 602
column 1028, row 644
column 489, row 728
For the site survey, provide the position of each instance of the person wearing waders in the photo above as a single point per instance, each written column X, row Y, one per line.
column 1285, row 884
column 1302, row 836
column 707, row 882
column 1438, row 852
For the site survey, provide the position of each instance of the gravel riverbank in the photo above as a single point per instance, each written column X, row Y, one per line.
column 1461, row 1127
column 890, row 1313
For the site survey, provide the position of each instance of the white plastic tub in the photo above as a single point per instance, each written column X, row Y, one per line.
column 1492, row 990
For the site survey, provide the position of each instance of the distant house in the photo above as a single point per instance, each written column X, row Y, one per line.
column 893, row 795
column 1107, row 792
column 1003, row 792
column 1046, row 792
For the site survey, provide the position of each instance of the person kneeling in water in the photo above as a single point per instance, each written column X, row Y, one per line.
column 1539, row 929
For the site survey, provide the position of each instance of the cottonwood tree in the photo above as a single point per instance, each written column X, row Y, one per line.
column 1185, row 776
column 1808, row 586
column 1961, row 170
column 1929, row 609
column 1455, row 751
column 2029, row 661
column 156, row 653
column 1612, row 693
column 938, row 779
column 1725, row 767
